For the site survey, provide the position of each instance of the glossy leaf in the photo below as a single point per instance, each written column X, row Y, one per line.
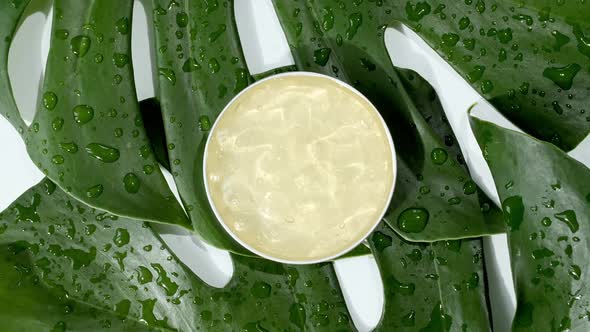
column 436, row 286
column 10, row 13
column 528, row 58
column 87, row 134
column 84, row 258
column 430, row 201
column 201, row 67
column 545, row 196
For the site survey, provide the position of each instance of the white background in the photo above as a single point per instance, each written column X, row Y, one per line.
column 266, row 48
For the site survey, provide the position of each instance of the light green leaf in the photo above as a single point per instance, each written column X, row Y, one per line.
column 528, row 58
column 545, row 195
column 82, row 258
column 436, row 286
column 87, row 134
column 434, row 198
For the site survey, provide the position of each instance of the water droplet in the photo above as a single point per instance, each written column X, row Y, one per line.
column 454, row 200
column 83, row 114
column 144, row 275
column 409, row 319
column 213, row 36
column 546, row 222
column 513, row 208
column 439, row 156
column 562, row 76
column 413, row 220
column 418, row 11
column 182, row 19
column 120, row 60
column 260, row 289
column 168, row 74
column 486, row 86
column 122, row 308
column 103, row 152
column 560, row 40
column 80, row 45
column 469, row 187
column 355, row 20
column 204, row 123
column 94, row 191
column 328, row 20
column 475, row 74
column 58, row 159
column 131, row 182
column 69, row 147
column 164, row 281
column 381, row 241
column 450, row 39
column 570, row 219
column 400, row 287
column 122, row 26
column 297, row 315
column 505, row 35
column 575, row 271
column 49, row 100
column 121, row 237
column 464, row 22
column 214, row 66
column 62, row 34
column 190, row 65
column 542, row 253
column 321, row 56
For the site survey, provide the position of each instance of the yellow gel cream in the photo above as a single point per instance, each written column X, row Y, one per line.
column 299, row 168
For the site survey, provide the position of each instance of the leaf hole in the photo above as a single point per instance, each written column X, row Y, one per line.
column 27, row 57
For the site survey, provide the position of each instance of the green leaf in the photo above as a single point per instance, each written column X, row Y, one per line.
column 434, row 198
column 84, row 258
column 528, row 58
column 545, row 195
column 201, row 67
column 436, row 286
column 10, row 14
column 30, row 305
column 88, row 134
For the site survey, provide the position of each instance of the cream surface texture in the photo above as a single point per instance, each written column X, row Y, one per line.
column 299, row 168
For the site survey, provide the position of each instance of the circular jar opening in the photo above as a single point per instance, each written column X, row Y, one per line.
column 299, row 168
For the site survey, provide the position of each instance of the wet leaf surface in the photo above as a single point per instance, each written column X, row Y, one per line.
column 88, row 134
column 528, row 58
column 66, row 264
column 430, row 201
column 436, row 286
column 201, row 67
column 545, row 196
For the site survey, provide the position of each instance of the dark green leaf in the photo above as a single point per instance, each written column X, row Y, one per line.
column 431, row 286
column 528, row 58
column 10, row 13
column 82, row 258
column 201, row 67
column 430, row 201
column 546, row 199
column 88, row 134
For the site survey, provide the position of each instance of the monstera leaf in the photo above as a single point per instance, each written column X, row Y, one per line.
column 547, row 217
column 431, row 286
column 73, row 255
column 434, row 198
column 528, row 58
column 87, row 134
column 94, row 270
column 72, row 267
column 201, row 67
